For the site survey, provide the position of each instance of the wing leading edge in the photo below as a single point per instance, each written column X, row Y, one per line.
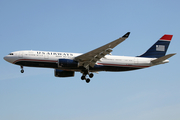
column 90, row 58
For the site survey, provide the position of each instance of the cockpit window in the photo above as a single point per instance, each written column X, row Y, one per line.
column 10, row 53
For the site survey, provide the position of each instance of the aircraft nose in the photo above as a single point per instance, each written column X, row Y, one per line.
column 7, row 59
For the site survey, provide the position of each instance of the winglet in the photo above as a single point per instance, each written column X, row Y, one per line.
column 126, row 35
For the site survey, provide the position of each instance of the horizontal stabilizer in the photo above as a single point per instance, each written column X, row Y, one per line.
column 161, row 59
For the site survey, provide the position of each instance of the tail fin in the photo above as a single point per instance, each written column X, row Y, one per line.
column 159, row 48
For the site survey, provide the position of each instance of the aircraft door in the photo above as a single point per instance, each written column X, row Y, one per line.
column 46, row 56
column 20, row 55
column 135, row 61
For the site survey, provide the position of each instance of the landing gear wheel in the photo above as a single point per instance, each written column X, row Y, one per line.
column 22, row 71
column 91, row 75
column 87, row 80
column 83, row 77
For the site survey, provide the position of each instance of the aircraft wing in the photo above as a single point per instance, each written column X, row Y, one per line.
column 90, row 58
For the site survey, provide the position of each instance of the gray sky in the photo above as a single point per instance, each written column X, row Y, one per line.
column 81, row 26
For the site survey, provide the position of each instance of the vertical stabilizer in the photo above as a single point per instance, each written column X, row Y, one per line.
column 159, row 48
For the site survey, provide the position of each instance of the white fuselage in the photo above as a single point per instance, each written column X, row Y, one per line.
column 50, row 60
column 66, row 64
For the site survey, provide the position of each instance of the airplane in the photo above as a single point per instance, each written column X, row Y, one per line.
column 65, row 64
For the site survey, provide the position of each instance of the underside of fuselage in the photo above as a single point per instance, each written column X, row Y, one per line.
column 95, row 69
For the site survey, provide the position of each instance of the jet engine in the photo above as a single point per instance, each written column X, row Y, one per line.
column 62, row 73
column 67, row 63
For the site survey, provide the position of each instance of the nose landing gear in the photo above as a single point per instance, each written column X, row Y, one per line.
column 22, row 70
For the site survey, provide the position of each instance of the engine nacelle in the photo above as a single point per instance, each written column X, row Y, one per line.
column 67, row 63
column 62, row 73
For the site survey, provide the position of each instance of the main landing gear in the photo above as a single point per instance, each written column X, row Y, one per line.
column 22, row 70
column 83, row 77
